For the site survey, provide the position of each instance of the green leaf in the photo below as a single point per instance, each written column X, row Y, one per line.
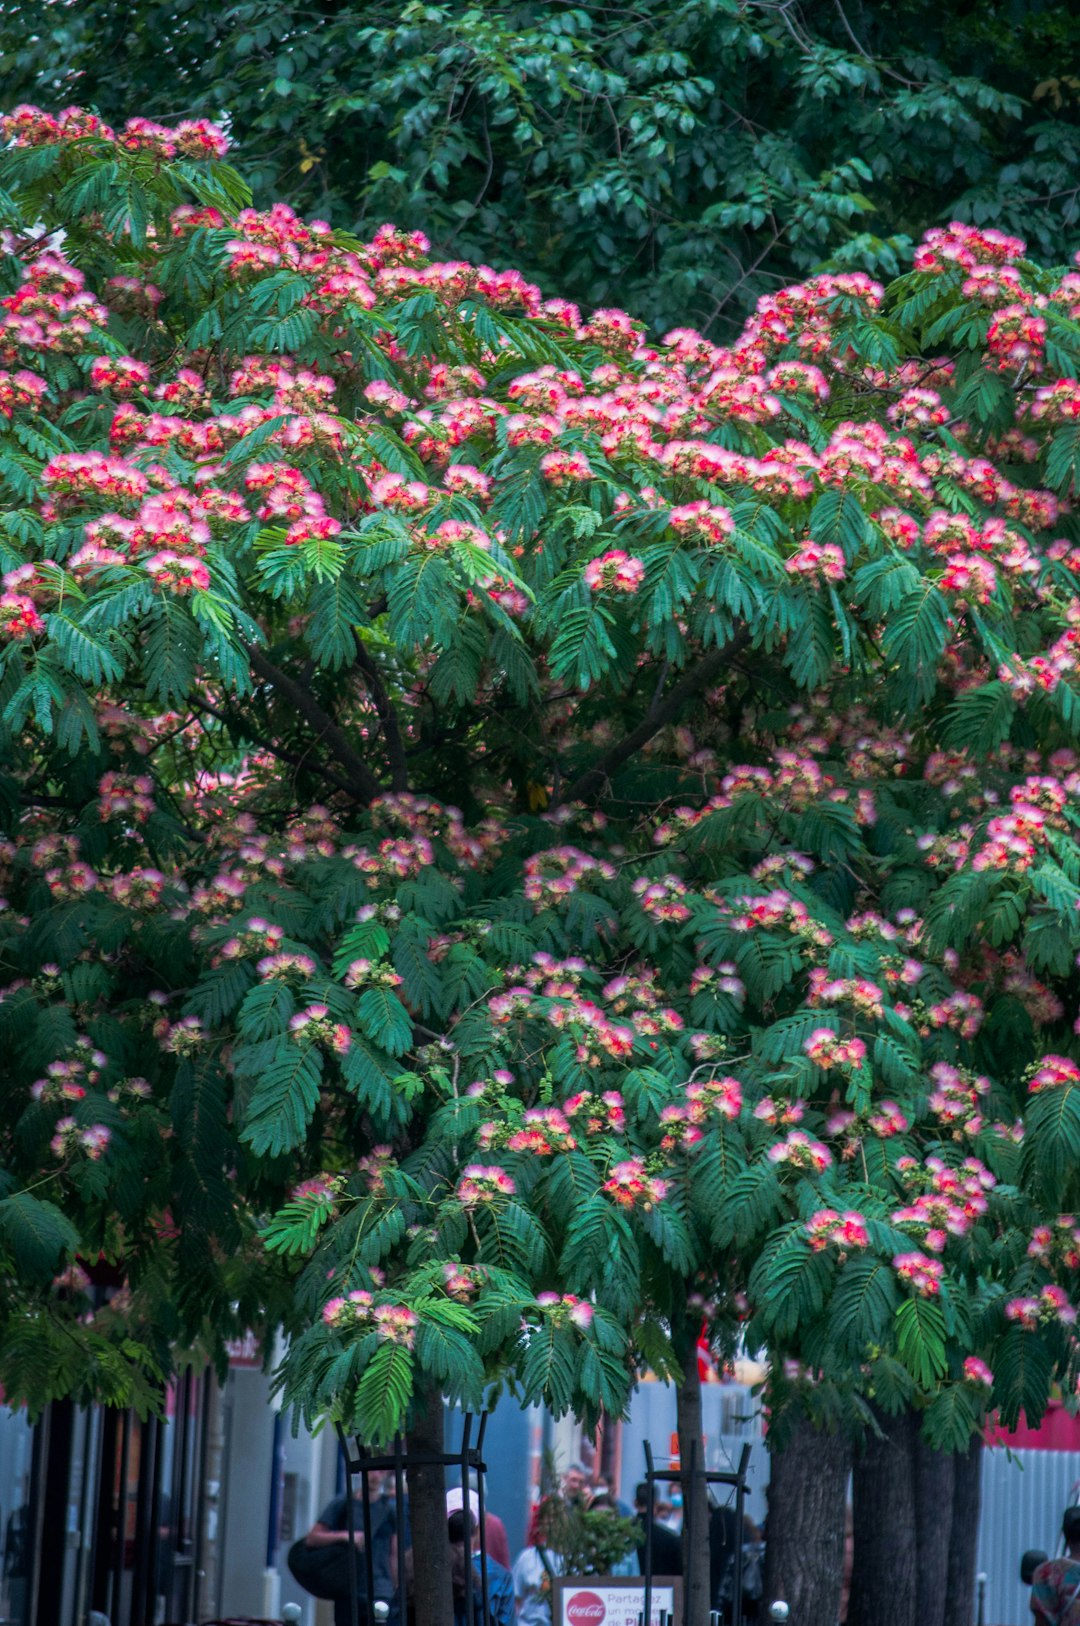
column 335, row 609
column 862, row 1306
column 35, row 1235
column 914, row 637
column 283, row 1100
column 384, row 1393
column 920, row 1340
column 548, row 1370
column 295, row 1228
column 382, row 1016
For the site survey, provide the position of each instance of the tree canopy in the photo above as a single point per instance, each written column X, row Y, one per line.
column 676, row 159
column 506, row 822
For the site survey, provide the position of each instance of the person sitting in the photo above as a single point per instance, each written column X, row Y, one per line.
column 461, row 1527
column 1055, row 1587
column 331, row 1528
column 495, row 1538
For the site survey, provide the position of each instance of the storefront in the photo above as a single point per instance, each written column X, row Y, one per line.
column 102, row 1513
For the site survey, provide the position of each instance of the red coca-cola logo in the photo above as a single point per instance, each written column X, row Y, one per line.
column 585, row 1609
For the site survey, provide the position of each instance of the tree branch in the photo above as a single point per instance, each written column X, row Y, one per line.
column 661, row 712
column 242, row 726
column 391, row 728
column 362, row 783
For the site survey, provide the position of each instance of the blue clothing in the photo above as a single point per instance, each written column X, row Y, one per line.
column 500, row 1588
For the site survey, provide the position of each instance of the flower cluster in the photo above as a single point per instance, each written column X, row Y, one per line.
column 798, row 1150
column 1050, row 1305
column 70, row 1139
column 629, row 1185
column 920, row 1273
column 827, row 1049
column 393, row 1323
column 843, row 1231
column 481, row 1185
column 565, row 1310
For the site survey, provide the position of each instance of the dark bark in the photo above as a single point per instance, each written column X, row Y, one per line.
column 662, row 711
column 361, row 781
column 433, row 1601
column 934, row 1481
column 688, row 1417
column 242, row 728
column 391, row 728
column 804, row 1555
column 883, row 1580
column 964, row 1535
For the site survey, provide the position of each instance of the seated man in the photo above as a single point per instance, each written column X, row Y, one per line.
column 462, row 1526
column 332, row 1527
column 1055, row 1588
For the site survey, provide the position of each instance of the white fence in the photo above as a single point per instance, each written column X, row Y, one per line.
column 1024, row 1494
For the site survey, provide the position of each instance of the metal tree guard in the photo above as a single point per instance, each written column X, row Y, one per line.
column 359, row 1460
column 686, row 1477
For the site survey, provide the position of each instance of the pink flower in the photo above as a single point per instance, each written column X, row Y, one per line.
column 977, row 1372
column 630, row 1186
column 824, row 559
column 920, row 1272
column 396, row 1324
column 614, row 572
column 483, row 1184
column 800, row 1151
column 847, row 1230
column 720, row 1095
column 1024, row 1311
column 1052, row 1072
column 827, row 1049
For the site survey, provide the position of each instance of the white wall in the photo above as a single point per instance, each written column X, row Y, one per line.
column 306, row 1474
column 731, row 1418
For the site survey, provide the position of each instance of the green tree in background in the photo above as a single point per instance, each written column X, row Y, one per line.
column 680, row 159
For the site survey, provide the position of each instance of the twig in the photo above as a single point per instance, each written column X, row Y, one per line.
column 362, row 783
column 391, row 728
column 236, row 720
column 661, row 712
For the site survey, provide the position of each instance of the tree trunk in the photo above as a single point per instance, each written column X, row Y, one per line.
column 884, row 1577
column 696, row 1577
column 964, row 1535
column 804, row 1555
column 934, row 1480
column 433, row 1602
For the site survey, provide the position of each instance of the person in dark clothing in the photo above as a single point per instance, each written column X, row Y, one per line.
column 666, row 1545
column 332, row 1526
column 723, row 1533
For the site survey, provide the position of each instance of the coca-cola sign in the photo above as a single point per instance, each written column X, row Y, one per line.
column 585, row 1609
column 609, row 1600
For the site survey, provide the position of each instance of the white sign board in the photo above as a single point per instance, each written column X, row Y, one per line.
column 606, row 1600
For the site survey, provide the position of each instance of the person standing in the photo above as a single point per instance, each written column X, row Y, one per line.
column 535, row 1569
column 666, row 1545
column 1055, row 1586
column 627, row 1565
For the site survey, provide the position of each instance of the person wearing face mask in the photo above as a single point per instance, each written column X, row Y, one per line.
column 669, row 1514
